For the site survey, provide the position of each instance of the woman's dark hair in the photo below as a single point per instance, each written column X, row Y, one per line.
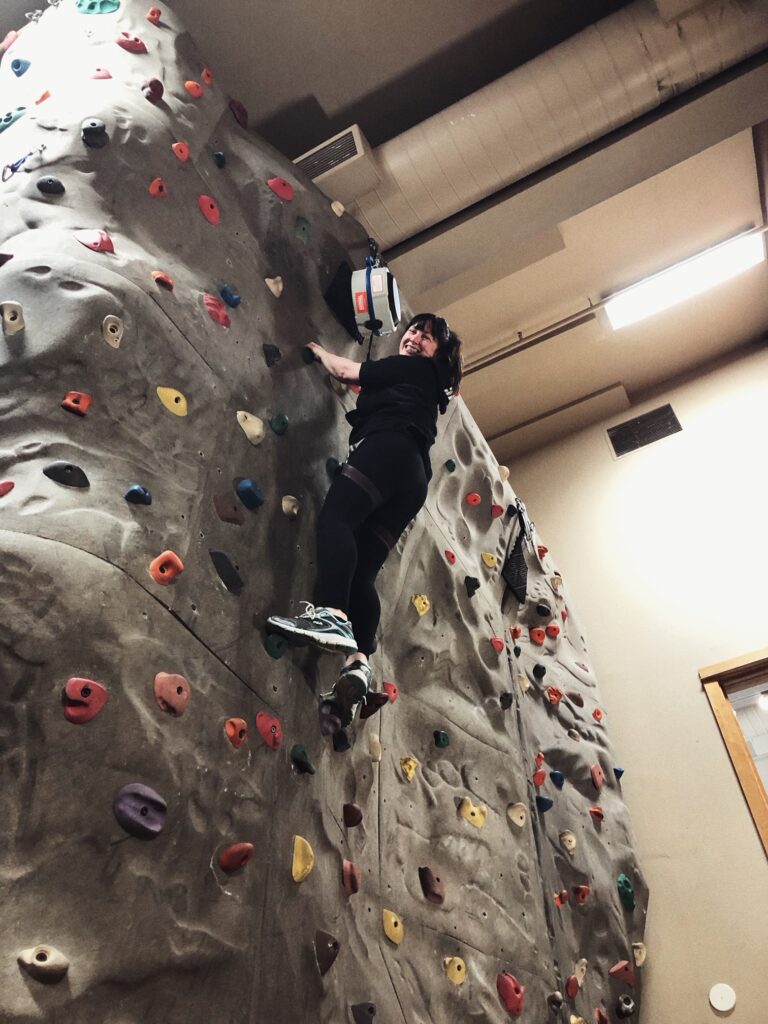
column 448, row 345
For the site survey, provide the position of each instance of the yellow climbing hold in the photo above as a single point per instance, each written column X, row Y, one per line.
column 303, row 859
column 393, row 926
column 504, row 473
column 409, row 766
column 577, row 1020
column 374, row 747
column 639, row 953
column 275, row 285
column 556, row 582
column 455, row 968
column 421, row 603
column 173, row 401
column 475, row 814
column 517, row 814
column 568, row 840
column 489, row 559
column 338, row 208
column 523, row 682
column 253, row 427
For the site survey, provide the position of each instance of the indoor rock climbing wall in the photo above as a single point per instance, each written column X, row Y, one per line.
column 179, row 842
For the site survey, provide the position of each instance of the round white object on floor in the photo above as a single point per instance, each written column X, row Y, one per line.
column 722, row 997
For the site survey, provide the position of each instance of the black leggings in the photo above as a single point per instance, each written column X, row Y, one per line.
column 379, row 490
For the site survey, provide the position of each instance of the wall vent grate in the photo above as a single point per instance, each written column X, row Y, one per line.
column 642, row 430
column 338, row 150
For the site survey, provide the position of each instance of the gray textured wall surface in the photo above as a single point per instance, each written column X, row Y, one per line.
column 152, row 930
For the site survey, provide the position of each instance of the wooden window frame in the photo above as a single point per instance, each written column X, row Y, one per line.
column 730, row 677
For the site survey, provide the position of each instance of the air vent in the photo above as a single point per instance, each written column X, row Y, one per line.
column 343, row 167
column 642, row 430
column 329, row 155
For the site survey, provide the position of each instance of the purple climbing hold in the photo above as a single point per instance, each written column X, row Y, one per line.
column 363, row 1013
column 326, row 950
column 353, row 815
column 139, row 810
column 374, row 702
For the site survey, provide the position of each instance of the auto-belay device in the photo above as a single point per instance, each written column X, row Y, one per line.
column 375, row 297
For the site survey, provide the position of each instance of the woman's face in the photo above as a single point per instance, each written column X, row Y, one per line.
column 418, row 341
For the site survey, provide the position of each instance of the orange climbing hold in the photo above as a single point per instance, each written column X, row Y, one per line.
column 270, row 729
column 166, row 567
column 209, row 208
column 237, row 731
column 537, row 635
column 194, row 89
column 181, row 150
column 97, row 240
column 235, row 857
column 473, row 498
column 553, row 629
column 162, row 279
column 77, row 402
column 497, row 643
column 157, row 188
column 207, row 76
column 554, row 694
column 539, row 777
column 153, row 15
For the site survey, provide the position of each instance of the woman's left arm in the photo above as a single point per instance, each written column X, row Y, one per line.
column 343, row 369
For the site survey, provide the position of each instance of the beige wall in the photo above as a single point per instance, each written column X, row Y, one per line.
column 665, row 557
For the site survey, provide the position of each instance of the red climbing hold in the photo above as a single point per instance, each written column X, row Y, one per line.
column 97, row 240
column 171, row 693
column 450, row 556
column 496, row 511
column 601, row 1017
column 564, row 614
column 207, row 76
column 560, row 898
column 515, row 632
column 598, row 715
column 391, row 691
column 83, row 699
column 77, row 402
column 553, row 629
column 237, row 731
column 166, row 567
column 537, row 635
column 209, row 209
column 541, row 550
column 194, row 89
column 6, row 486
column 581, row 894
column 539, row 777
column 473, row 498
column 554, row 694
column 234, row 857
column 351, row 876
column 217, row 311
column 158, row 188
column 540, row 759
column 624, row 970
column 572, row 986
column 181, row 150
column 153, row 15
column 164, row 280
column 512, row 993
column 270, row 729
column 239, row 112
column 282, row 188
column 597, row 775
column 497, row 643
column 597, row 812
column 133, row 44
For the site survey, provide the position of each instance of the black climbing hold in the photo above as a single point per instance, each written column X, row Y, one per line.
column 442, row 738
column 308, row 355
column 353, row 815
column 93, row 132
column 230, row 297
column 228, row 573
column 450, row 465
column 332, row 466
column 505, row 699
column 554, row 1001
column 511, row 510
column 219, row 158
column 279, row 423
column 138, row 495
column 249, row 492
column 272, row 355
column 558, row 779
column 544, row 609
column 544, row 803
column 362, row 1013
column 341, row 741
column 301, row 760
column 326, row 950
column 539, row 671
column 67, row 473
column 50, row 186
column 472, row 584
column 374, row 702
column 275, row 645
column 517, row 651
column 618, row 772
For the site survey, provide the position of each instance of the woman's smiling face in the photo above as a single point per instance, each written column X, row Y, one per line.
column 418, row 341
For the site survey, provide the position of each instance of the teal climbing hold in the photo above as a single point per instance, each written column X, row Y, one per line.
column 301, row 230
column 97, row 6
column 544, row 803
column 11, row 117
column 441, row 738
column 450, row 465
column 219, row 159
column 626, row 892
column 275, row 645
column 138, row 495
column 301, row 761
column 517, row 651
column 279, row 423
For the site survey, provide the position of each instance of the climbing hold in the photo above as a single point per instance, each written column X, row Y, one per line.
column 230, row 296
column 541, row 550
column 450, row 465
column 171, row 693
column 93, row 132
column 236, row 730
column 511, row 992
column 504, row 473
column 279, row 423
column 239, row 112
column 209, row 208
column 8, row 40
column 44, row 963
column 270, row 729
column 558, row 779
column 227, row 571
column 157, row 188
column 83, row 699
column 98, row 241
column 181, row 151
column 351, row 876
column 544, row 803
column 301, row 761
column 341, row 741
column 625, row 1006
column 517, row 651
column 580, row 970
column 560, row 898
column 11, row 117
column 301, row 230
column 572, row 986
column 303, row 859
column 393, row 926
column 568, row 840
column 50, row 186
column 624, row 970
column 421, row 603
column 253, row 427
column 496, row 511
column 597, row 776
column 338, row 208
column 374, row 747
column 601, row 1017
column 219, row 158
column 153, row 15
column 539, row 777
column 450, row 557
column 6, row 486
column 497, row 644
column 626, row 892
column 392, row 691
column 473, row 498
column 618, row 772
column 598, row 715
column 153, row 90
column 517, row 814
column 326, row 951
column 362, row 1013
column 408, row 766
column 233, row 858
column 166, row 567
column 272, row 354
column 163, row 280
column 282, row 188
column 472, row 585
column 544, row 609
column 537, row 635
column 275, row 645
column 101, row 73
column 275, row 285
column 66, row 473
column 475, row 814
column 173, row 401
column 505, row 701
column 575, row 698
column 555, row 1001
column 19, row 66
column 77, row 402
column 597, row 812
column 554, row 695
column 207, row 76
column 455, row 969
column 138, row 495
column 581, row 894
column 216, row 310
column 194, row 89
column 374, row 702
column 574, row 734
column 441, row 738
column 352, row 815
column 432, row 885
column 290, row 506
column 639, row 953
column 139, row 810
column 489, row 559
column 131, row 43
column 515, row 632
column 575, row 1019
column 539, row 759
column 13, row 318
column 553, row 630
column 97, row 6
column 250, row 493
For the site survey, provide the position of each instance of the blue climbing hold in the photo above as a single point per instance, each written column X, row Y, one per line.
column 19, row 66
column 558, row 779
column 249, row 492
column 618, row 772
column 138, row 495
column 544, row 803
column 231, row 298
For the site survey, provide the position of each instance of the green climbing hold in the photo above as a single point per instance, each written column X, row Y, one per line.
column 301, row 230
column 275, row 645
column 450, row 465
column 517, row 651
column 97, row 6
column 441, row 738
column 626, row 892
column 301, row 761
column 279, row 423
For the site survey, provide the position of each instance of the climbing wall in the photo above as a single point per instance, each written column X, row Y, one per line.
column 179, row 842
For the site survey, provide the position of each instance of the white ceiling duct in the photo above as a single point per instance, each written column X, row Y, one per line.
column 606, row 76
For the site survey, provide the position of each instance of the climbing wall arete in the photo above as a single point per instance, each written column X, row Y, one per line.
column 180, row 842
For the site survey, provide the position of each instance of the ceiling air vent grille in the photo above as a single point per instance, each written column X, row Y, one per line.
column 324, row 158
column 642, row 430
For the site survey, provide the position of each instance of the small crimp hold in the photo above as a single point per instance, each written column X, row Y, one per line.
column 44, row 963
column 408, row 766
column 441, row 738
column 544, row 803
column 473, row 499
column 351, row 877
column 275, row 285
column 393, row 926
column 158, row 188
column 475, row 814
column 290, row 506
column 352, row 815
column 209, row 209
column 228, row 572
column 180, row 151
column 163, row 280
column 139, row 810
column 153, row 90
column 568, row 840
column 153, row 15
column 13, row 318
column 252, row 426
column 278, row 423
column 517, row 814
column 250, row 493
column 234, row 858
column 98, row 240
column 230, row 296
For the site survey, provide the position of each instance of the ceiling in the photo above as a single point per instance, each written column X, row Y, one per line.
column 663, row 188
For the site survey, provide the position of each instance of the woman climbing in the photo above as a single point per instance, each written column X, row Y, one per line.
column 378, row 491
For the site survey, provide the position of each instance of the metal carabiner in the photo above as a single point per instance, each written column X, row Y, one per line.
column 10, row 169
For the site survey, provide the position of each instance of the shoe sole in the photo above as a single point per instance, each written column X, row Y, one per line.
column 340, row 705
column 301, row 637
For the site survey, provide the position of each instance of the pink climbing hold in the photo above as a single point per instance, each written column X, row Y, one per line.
column 207, row 76
column 624, row 970
column 541, row 550
column 515, row 632
column 101, row 73
column 6, row 486
column 239, row 112
column 450, row 557
column 97, row 240
column 564, row 614
column 391, row 691
column 351, row 875
column 133, row 44
column 598, row 714
column 540, row 759
column 283, row 189
column 8, row 41
column 597, row 812
column 209, row 209
column 497, row 643
column 598, row 778
column 496, row 511
column 270, row 729
column 153, row 15
column 511, row 992
column 216, row 310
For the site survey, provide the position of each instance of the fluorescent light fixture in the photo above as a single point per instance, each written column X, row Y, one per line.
column 686, row 279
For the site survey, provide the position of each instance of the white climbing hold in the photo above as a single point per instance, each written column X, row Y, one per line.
column 517, row 814
column 290, row 506
column 338, row 208
column 13, row 318
column 568, row 840
column 374, row 747
column 45, row 963
column 580, row 970
column 639, row 953
column 722, row 997
column 275, row 285
column 523, row 682
column 504, row 473
column 112, row 330
column 253, row 427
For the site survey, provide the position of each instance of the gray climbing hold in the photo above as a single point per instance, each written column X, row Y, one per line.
column 67, row 473
column 93, row 132
column 625, row 1007
column 44, row 963
column 139, row 810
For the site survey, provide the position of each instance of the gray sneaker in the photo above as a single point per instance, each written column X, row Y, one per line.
column 317, row 626
column 339, row 707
